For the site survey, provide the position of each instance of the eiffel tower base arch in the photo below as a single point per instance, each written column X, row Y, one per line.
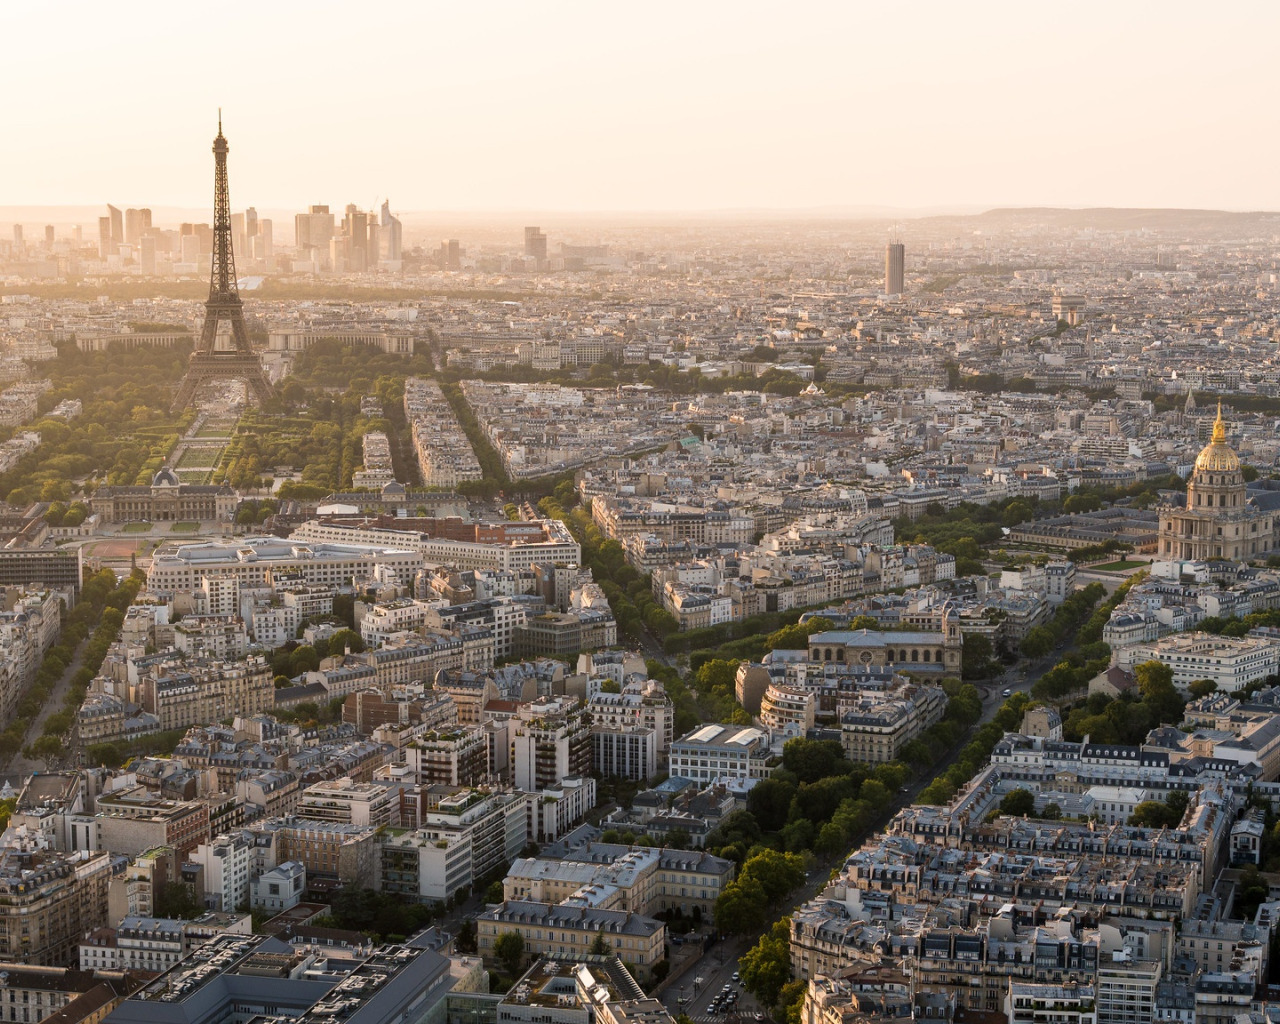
column 211, row 368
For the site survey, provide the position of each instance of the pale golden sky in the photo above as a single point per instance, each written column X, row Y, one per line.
column 692, row 105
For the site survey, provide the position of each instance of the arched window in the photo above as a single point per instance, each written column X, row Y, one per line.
column 915, row 654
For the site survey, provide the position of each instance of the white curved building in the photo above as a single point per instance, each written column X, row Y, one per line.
column 787, row 712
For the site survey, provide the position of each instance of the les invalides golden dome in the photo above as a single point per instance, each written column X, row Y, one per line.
column 1217, row 456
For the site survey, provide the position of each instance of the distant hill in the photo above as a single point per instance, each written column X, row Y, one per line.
column 1197, row 223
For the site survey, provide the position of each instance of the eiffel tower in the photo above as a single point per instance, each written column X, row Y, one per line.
column 208, row 363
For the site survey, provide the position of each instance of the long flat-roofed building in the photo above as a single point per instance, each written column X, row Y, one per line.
column 256, row 560
column 1231, row 662
column 720, row 752
column 260, row 977
column 452, row 541
column 59, row 568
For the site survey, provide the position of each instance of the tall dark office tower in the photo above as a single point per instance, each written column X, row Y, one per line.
column 894, row 261
column 208, row 362
column 535, row 243
column 105, row 247
column 48, row 236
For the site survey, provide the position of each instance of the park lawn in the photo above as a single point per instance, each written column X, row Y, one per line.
column 200, row 455
column 136, row 528
column 1120, row 566
column 184, row 528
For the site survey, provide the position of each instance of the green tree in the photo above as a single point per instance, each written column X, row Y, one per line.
column 303, row 659
column 717, row 674
column 564, row 493
column 976, row 656
column 1177, row 802
column 831, row 839
column 797, row 836
column 508, row 950
column 740, row 908
column 47, row 749
column 1018, row 803
column 777, row 873
column 796, row 636
column 766, row 967
column 1082, row 503
column 600, row 946
column 1038, row 642
column 738, row 827
column 1017, row 512
column 1155, row 684
column 1166, row 813
column 770, row 801
column 106, row 755
column 1149, row 814
column 811, row 760
column 1252, row 889
column 178, row 901
column 790, row 1002
column 1202, row 688
column 345, row 639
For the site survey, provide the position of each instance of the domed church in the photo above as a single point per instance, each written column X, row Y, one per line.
column 1219, row 521
column 167, row 499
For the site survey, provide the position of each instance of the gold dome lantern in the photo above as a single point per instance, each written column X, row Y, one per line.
column 1217, row 456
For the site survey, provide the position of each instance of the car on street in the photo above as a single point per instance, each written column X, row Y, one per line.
column 1006, row 693
column 736, row 976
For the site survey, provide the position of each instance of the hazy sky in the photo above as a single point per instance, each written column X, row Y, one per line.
column 615, row 105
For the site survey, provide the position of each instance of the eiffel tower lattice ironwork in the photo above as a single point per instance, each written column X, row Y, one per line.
column 209, row 363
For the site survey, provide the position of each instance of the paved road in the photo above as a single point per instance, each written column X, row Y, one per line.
column 713, row 971
column 20, row 765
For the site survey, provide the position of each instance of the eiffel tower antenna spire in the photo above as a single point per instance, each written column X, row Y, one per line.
column 208, row 362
